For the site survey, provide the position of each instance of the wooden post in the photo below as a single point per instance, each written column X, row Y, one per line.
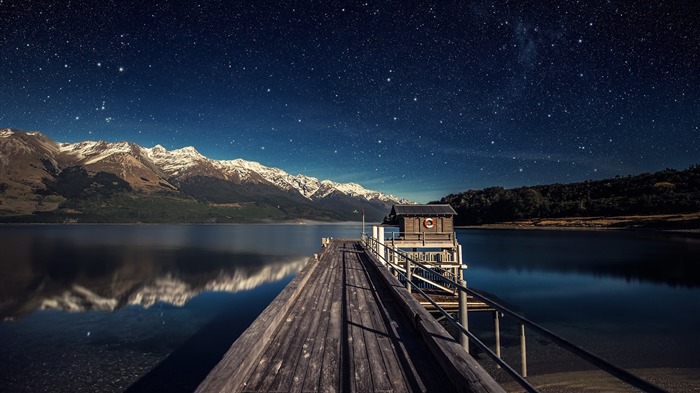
column 463, row 316
column 497, row 327
column 523, row 352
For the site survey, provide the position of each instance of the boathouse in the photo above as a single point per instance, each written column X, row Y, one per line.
column 423, row 225
column 431, row 219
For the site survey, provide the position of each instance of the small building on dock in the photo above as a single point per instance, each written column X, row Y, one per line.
column 423, row 225
column 426, row 233
column 424, row 218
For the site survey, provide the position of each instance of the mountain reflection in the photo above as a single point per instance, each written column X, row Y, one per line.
column 41, row 274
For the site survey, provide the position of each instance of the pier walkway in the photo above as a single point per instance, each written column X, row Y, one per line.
column 344, row 324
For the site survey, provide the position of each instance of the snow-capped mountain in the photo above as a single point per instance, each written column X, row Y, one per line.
column 36, row 172
column 182, row 161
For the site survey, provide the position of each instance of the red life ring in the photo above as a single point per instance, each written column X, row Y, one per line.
column 428, row 223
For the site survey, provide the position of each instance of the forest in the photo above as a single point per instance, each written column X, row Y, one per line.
column 667, row 192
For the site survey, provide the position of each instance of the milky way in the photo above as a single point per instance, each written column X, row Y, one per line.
column 417, row 100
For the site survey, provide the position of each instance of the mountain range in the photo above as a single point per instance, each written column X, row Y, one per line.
column 42, row 180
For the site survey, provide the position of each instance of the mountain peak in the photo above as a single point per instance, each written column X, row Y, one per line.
column 188, row 150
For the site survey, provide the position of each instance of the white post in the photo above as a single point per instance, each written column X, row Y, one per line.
column 523, row 351
column 459, row 261
column 363, row 220
column 463, row 317
column 374, row 236
column 380, row 238
column 497, row 328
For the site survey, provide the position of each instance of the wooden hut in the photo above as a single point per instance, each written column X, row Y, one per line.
column 426, row 224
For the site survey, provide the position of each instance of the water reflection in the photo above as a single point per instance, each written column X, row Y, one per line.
column 77, row 272
column 633, row 256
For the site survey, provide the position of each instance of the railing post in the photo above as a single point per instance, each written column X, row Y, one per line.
column 374, row 236
column 497, row 328
column 409, row 275
column 463, row 316
column 523, row 352
column 380, row 241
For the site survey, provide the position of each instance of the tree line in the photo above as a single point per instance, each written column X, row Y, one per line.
column 666, row 192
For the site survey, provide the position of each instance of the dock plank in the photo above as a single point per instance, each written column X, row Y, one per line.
column 390, row 344
column 289, row 345
column 312, row 378
column 372, row 329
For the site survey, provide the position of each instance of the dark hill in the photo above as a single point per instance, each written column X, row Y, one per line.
column 666, row 192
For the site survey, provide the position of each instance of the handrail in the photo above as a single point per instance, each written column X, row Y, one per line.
column 422, row 236
column 434, row 265
column 599, row 362
column 522, row 381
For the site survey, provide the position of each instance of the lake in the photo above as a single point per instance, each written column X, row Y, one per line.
column 117, row 307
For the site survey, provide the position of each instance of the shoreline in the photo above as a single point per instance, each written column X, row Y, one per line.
column 685, row 223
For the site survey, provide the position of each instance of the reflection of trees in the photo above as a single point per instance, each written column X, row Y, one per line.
column 633, row 256
column 63, row 276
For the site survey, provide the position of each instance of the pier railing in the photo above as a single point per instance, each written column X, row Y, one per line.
column 389, row 256
column 422, row 237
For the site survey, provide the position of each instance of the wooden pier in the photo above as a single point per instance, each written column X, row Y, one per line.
column 346, row 324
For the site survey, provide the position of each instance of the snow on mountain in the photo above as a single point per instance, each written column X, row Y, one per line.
column 90, row 152
column 175, row 162
column 178, row 161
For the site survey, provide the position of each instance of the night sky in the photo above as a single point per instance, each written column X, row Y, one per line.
column 414, row 99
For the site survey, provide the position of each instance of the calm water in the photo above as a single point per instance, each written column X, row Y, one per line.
column 630, row 297
column 110, row 308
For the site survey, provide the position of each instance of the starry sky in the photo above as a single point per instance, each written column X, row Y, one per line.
column 416, row 99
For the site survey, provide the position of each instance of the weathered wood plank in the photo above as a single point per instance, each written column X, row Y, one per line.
column 312, row 377
column 298, row 358
column 361, row 380
column 291, row 338
column 373, row 328
column 331, row 364
column 229, row 373
column 390, row 343
column 270, row 361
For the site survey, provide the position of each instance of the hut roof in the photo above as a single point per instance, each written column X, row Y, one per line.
column 423, row 210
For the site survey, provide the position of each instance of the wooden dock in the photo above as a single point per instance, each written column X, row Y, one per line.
column 345, row 324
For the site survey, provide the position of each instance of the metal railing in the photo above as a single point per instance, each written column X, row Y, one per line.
column 422, row 237
column 373, row 245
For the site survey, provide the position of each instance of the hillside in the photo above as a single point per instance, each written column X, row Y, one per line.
column 42, row 180
column 667, row 192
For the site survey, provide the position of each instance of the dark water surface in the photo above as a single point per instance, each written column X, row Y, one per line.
column 110, row 308
column 631, row 297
